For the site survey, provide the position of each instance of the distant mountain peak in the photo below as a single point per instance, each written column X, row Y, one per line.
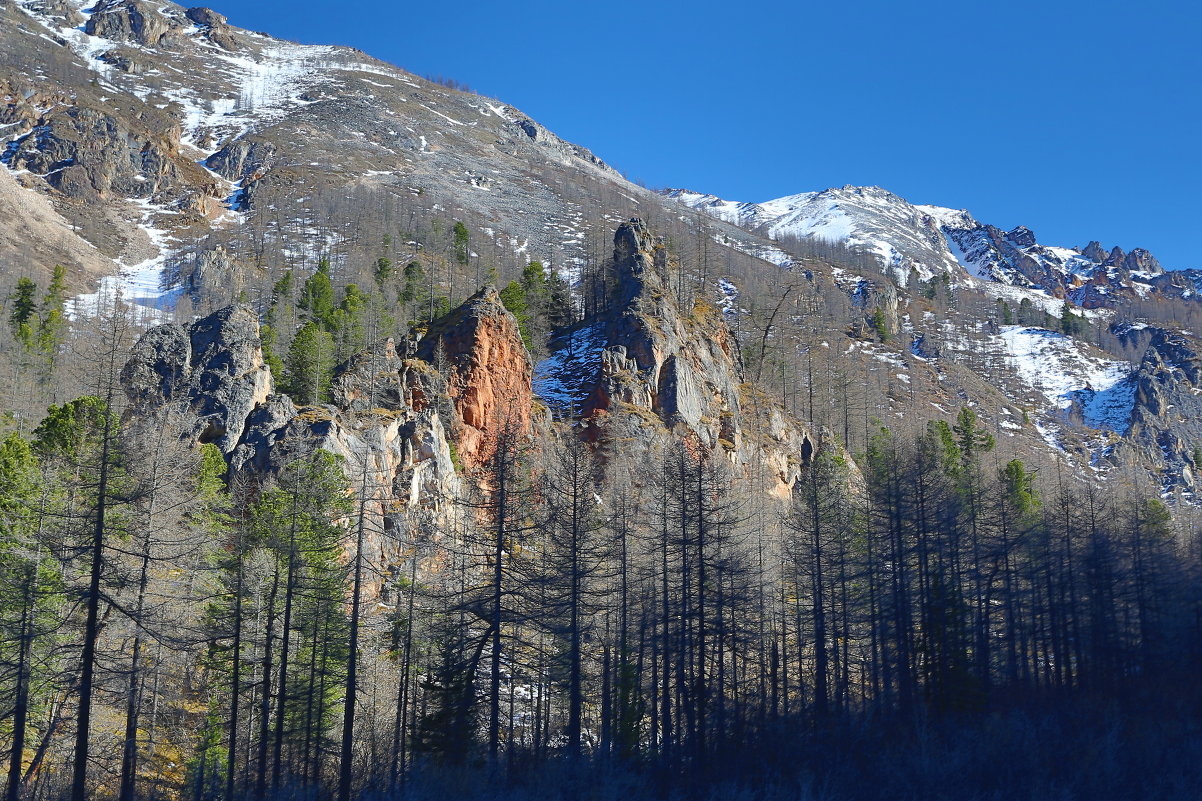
column 927, row 240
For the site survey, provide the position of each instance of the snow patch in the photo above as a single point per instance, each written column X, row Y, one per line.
column 1056, row 365
column 565, row 378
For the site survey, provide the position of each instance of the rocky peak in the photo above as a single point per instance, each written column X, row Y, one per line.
column 1140, row 260
column 1114, row 257
column 210, row 379
column 662, row 364
column 214, row 25
column 205, row 16
column 1094, row 252
column 478, row 348
column 1022, row 236
column 634, row 259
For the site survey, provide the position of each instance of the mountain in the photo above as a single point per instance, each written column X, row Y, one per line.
column 165, row 153
column 362, row 438
column 167, row 139
column 927, row 240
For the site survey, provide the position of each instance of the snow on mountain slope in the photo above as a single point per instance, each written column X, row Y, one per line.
column 141, row 284
column 562, row 379
column 928, row 240
column 120, row 101
column 869, row 219
column 1058, row 367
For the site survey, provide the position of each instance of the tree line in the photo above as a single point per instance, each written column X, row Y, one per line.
column 171, row 630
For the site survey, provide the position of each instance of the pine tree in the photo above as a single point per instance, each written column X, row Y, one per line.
column 52, row 327
column 462, row 251
column 317, row 297
column 311, row 362
column 31, row 587
column 21, row 317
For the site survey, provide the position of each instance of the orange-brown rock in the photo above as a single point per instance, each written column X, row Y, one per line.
column 478, row 347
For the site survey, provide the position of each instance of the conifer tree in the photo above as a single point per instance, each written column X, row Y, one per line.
column 311, row 361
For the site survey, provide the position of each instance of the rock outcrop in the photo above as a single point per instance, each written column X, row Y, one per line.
column 210, row 373
column 1166, row 421
column 392, row 414
column 100, row 151
column 129, row 21
column 215, row 27
column 389, row 420
column 660, row 354
column 479, row 348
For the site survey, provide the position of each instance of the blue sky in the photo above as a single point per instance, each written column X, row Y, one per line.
column 1081, row 120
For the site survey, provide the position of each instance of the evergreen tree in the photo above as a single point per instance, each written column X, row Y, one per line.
column 462, row 251
column 317, row 297
column 1070, row 323
column 383, row 272
column 311, row 361
column 21, row 317
column 31, row 590
column 52, row 327
column 348, row 323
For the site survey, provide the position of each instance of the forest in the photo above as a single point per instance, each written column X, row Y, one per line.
column 923, row 617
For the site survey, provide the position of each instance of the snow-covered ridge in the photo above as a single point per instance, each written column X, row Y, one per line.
column 903, row 237
column 925, row 240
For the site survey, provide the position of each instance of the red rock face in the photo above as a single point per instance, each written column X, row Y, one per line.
column 488, row 373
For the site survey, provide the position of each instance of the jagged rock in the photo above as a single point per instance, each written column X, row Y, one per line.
column 387, row 418
column 478, row 347
column 210, row 373
column 126, row 59
column 206, row 16
column 242, row 159
column 129, row 21
column 1166, row 420
column 1094, row 252
column 679, row 365
column 1140, row 260
column 1022, row 236
column 89, row 153
column 873, row 295
column 668, row 370
column 63, row 9
column 259, row 435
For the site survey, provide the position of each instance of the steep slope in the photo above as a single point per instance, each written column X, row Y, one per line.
column 196, row 133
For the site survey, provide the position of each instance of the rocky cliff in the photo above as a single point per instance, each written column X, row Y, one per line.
column 478, row 347
column 661, row 370
column 660, row 364
column 384, row 421
column 1166, row 418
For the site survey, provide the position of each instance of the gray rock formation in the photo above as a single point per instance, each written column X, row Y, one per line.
column 210, row 372
column 129, row 21
column 388, row 418
column 1166, row 421
column 674, row 358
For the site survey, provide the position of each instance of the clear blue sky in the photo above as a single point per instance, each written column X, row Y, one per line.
column 1079, row 119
